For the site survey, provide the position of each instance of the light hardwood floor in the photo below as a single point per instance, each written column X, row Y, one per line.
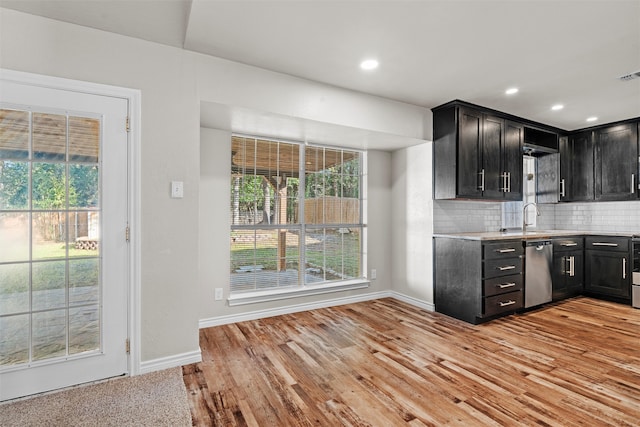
column 386, row 363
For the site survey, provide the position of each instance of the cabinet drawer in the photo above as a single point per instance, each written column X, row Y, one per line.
column 563, row 244
column 607, row 243
column 502, row 267
column 499, row 250
column 503, row 303
column 501, row 285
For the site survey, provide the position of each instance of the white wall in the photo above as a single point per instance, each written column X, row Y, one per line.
column 412, row 223
column 173, row 82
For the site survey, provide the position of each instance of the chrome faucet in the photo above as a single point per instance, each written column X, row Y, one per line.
column 524, row 215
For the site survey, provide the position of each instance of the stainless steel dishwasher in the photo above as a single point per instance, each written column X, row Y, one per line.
column 537, row 276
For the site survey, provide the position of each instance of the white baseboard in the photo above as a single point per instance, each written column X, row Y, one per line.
column 429, row 306
column 170, row 362
column 295, row 308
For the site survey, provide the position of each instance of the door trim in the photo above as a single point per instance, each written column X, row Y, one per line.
column 133, row 96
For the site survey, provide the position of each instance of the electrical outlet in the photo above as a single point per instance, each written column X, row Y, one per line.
column 373, row 274
column 218, row 294
column 177, row 189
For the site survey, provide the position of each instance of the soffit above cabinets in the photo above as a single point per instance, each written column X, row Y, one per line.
column 251, row 122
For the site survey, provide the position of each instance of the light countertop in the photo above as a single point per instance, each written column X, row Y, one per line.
column 529, row 234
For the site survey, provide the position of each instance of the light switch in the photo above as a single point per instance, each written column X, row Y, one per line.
column 177, row 189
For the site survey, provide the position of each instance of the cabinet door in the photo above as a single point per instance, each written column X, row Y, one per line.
column 469, row 153
column 607, row 273
column 575, row 277
column 512, row 160
column 616, row 163
column 579, row 181
column 558, row 275
column 566, row 172
column 492, row 143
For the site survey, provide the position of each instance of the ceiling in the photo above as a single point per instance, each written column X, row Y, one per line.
column 430, row 52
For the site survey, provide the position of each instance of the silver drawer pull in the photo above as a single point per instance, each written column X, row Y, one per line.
column 506, row 303
column 505, row 251
column 506, row 285
column 568, row 244
column 507, row 267
column 624, row 268
column 613, row 245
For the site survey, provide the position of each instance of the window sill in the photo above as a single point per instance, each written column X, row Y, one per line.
column 302, row 291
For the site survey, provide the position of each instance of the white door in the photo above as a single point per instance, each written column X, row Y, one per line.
column 63, row 249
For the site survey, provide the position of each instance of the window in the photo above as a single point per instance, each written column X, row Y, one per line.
column 296, row 215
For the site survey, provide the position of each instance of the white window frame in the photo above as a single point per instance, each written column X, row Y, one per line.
column 304, row 289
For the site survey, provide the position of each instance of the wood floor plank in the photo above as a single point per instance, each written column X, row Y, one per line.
column 387, row 363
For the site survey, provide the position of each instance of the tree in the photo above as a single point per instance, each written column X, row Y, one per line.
column 342, row 180
column 14, row 185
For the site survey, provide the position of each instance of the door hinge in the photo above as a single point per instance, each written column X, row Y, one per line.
column 127, row 124
column 127, row 346
column 127, row 234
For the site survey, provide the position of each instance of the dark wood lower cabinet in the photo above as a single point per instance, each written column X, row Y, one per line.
column 605, row 273
column 567, row 275
column 478, row 281
column 608, row 267
column 568, row 267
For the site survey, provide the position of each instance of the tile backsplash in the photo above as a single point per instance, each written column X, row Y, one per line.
column 598, row 216
column 456, row 216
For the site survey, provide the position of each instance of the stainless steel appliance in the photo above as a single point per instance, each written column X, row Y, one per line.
column 537, row 278
column 635, row 275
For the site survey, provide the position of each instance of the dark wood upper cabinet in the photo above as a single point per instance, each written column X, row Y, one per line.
column 616, row 162
column 492, row 146
column 476, row 155
column 576, row 167
column 512, row 160
column 470, row 179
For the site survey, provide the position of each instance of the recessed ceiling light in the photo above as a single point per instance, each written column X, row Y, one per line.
column 592, row 119
column 511, row 91
column 557, row 107
column 369, row 64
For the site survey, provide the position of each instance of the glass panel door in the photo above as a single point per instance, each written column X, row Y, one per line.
column 63, row 252
column 50, row 234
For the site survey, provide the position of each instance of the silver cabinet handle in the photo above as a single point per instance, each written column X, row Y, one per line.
column 633, row 183
column 506, row 285
column 504, row 251
column 572, row 266
column 506, row 303
column 509, row 181
column 481, row 173
column 507, row 267
column 613, row 245
column 624, row 268
column 562, row 188
column 569, row 244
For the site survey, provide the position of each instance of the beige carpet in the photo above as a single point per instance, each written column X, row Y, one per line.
column 155, row 399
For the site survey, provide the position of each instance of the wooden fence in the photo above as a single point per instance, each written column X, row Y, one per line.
column 332, row 210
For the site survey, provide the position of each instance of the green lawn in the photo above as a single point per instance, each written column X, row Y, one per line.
column 265, row 253
column 50, row 275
